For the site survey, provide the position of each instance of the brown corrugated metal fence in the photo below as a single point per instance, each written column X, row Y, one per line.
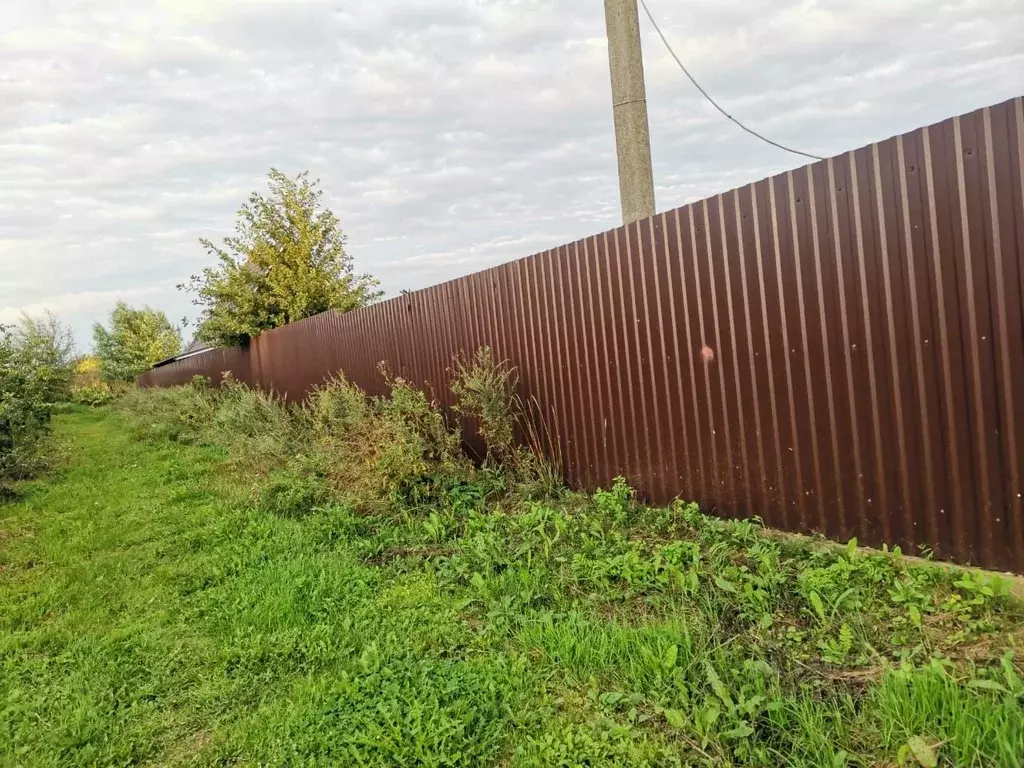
column 839, row 348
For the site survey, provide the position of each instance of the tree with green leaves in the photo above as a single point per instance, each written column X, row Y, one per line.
column 133, row 342
column 35, row 373
column 286, row 261
column 47, row 345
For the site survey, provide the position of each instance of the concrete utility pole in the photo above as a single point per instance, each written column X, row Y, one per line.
column 629, row 107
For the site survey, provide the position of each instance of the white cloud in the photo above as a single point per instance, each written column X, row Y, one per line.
column 86, row 301
column 449, row 136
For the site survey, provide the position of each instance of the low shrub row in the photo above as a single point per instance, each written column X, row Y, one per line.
column 399, row 452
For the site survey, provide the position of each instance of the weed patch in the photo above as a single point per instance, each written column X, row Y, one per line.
column 290, row 495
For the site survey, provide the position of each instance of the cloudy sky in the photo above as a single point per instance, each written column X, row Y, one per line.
column 449, row 135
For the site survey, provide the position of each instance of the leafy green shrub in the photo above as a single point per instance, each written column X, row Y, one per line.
column 420, row 459
column 616, row 501
column 96, row 393
column 34, row 375
column 86, row 372
column 260, row 431
column 417, row 457
column 393, row 451
column 47, row 346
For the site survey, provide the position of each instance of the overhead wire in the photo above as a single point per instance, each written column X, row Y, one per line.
column 707, row 96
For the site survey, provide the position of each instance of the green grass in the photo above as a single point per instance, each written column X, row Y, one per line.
column 157, row 606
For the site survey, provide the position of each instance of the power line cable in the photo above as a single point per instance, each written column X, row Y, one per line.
column 714, row 103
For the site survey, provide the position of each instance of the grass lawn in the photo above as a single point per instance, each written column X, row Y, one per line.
column 152, row 612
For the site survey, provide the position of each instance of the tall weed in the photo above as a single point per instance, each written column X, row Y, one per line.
column 388, row 451
column 336, row 409
column 485, row 391
column 260, row 430
column 181, row 414
column 486, row 394
column 418, row 455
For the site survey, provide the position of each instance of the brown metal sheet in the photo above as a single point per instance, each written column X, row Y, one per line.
column 839, row 348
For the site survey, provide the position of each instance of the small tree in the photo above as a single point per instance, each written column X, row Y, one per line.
column 286, row 261
column 28, row 388
column 135, row 340
column 47, row 346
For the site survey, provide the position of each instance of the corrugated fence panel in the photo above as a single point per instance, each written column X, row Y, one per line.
column 839, row 348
